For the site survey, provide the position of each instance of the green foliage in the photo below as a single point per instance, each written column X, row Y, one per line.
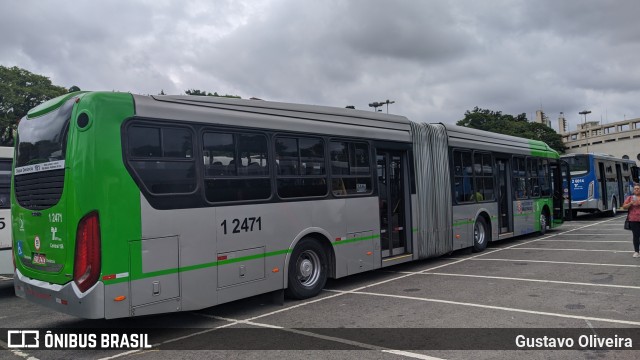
column 20, row 91
column 204, row 93
column 496, row 121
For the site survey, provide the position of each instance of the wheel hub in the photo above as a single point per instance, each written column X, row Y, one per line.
column 306, row 268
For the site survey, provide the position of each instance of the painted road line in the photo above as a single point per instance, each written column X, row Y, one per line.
column 548, row 249
column 587, row 241
column 537, row 280
column 502, row 308
column 560, row 262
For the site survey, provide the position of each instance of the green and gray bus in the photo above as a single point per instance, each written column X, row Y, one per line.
column 127, row 205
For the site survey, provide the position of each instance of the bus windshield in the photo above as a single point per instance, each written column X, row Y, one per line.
column 43, row 139
column 578, row 165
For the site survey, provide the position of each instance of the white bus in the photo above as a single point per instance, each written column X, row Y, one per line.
column 6, row 158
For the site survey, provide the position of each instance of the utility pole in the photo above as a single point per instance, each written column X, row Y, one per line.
column 585, row 112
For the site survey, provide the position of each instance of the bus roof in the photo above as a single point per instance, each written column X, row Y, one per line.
column 464, row 136
column 598, row 156
column 274, row 115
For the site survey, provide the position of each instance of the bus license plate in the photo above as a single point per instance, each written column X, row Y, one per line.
column 40, row 259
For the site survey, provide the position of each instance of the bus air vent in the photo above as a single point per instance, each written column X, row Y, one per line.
column 40, row 190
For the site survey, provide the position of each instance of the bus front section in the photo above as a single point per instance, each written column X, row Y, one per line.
column 57, row 203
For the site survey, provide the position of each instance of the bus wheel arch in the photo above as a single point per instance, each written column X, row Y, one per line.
column 481, row 232
column 308, row 266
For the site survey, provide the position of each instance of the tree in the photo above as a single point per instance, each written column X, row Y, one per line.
column 204, row 93
column 496, row 121
column 74, row 89
column 20, row 91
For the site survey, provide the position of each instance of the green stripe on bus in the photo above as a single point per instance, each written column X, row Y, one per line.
column 141, row 275
column 349, row 241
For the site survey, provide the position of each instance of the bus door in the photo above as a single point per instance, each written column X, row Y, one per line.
column 602, row 178
column 503, row 169
column 559, row 189
column 620, row 184
column 392, row 192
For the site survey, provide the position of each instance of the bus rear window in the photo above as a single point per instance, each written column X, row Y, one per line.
column 43, row 139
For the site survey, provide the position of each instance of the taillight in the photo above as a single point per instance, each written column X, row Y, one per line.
column 86, row 268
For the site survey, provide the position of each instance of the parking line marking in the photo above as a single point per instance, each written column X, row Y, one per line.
column 411, row 355
column 318, row 336
column 607, row 234
column 626, row 322
column 587, row 241
column 536, row 280
column 547, row 249
column 558, row 262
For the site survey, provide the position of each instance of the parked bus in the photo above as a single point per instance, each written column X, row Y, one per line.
column 600, row 182
column 6, row 158
column 130, row 205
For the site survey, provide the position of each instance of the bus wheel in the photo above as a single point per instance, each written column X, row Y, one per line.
column 543, row 222
column 481, row 234
column 307, row 270
column 614, row 208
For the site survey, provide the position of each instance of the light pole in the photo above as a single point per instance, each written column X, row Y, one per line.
column 585, row 112
column 376, row 104
column 387, row 102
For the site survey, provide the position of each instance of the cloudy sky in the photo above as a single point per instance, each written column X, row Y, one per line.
column 436, row 59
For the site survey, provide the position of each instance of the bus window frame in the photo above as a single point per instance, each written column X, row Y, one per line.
column 128, row 158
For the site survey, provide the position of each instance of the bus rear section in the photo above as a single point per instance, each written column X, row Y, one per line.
column 58, row 206
column 599, row 182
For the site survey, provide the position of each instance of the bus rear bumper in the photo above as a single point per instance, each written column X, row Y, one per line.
column 63, row 298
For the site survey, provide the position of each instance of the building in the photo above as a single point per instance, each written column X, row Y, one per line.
column 620, row 139
column 542, row 118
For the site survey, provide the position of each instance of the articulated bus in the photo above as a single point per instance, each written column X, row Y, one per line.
column 6, row 159
column 600, row 182
column 128, row 205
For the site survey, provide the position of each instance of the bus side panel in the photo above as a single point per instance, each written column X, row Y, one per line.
column 174, row 260
column 362, row 252
column 463, row 219
column 524, row 217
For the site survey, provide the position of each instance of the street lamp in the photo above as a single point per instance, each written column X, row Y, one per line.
column 585, row 112
column 375, row 105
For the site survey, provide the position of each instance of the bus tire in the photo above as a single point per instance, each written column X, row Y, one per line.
column 307, row 270
column 481, row 234
column 544, row 216
column 614, row 207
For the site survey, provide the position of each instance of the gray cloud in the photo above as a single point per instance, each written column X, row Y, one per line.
column 436, row 59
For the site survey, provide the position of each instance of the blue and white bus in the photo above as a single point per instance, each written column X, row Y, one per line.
column 599, row 182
